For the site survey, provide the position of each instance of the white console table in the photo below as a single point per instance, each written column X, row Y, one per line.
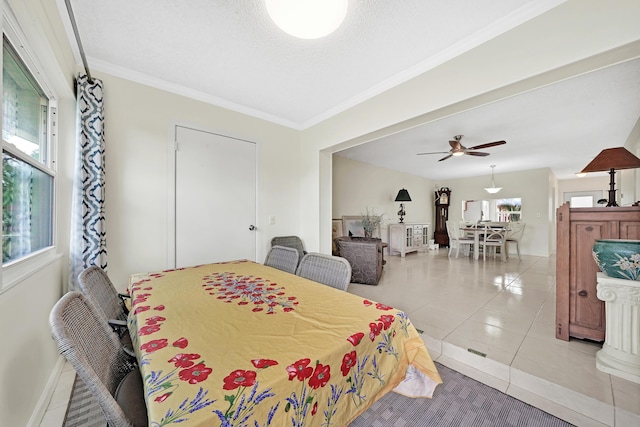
column 406, row 238
column 620, row 353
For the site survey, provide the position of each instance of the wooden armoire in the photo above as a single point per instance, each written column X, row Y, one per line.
column 579, row 312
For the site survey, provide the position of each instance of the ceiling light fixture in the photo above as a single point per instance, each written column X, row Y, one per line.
column 307, row 19
column 493, row 189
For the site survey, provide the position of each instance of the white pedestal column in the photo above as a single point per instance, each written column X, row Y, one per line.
column 620, row 354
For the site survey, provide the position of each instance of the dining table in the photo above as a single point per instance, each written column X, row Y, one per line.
column 478, row 232
column 242, row 344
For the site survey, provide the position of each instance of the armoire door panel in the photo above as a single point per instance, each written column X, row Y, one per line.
column 630, row 230
column 586, row 308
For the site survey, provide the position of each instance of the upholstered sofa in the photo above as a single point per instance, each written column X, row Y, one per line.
column 365, row 256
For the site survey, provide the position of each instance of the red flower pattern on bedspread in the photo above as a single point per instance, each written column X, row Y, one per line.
column 164, row 385
column 188, row 369
column 255, row 292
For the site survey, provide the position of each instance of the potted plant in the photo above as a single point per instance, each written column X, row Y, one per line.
column 371, row 222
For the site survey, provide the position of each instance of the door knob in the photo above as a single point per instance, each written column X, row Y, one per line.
column 252, row 227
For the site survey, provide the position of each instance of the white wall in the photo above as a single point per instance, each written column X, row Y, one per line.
column 599, row 182
column 358, row 186
column 530, row 185
column 138, row 138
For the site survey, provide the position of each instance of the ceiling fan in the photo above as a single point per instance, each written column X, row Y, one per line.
column 458, row 149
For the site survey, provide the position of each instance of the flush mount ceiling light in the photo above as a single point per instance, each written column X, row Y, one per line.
column 307, row 19
column 493, row 189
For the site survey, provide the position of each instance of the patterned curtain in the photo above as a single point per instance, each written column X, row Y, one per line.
column 88, row 238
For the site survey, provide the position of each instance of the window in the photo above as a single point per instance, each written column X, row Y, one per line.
column 496, row 210
column 27, row 177
column 583, row 199
column 509, row 210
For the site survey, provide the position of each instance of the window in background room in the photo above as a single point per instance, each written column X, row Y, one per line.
column 583, row 199
column 27, row 174
column 509, row 210
column 581, row 202
column 494, row 210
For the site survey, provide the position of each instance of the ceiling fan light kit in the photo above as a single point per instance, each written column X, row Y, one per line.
column 307, row 19
column 493, row 189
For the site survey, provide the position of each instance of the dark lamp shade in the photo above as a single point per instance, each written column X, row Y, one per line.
column 403, row 196
column 613, row 158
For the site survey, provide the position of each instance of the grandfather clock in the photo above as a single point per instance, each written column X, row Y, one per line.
column 442, row 214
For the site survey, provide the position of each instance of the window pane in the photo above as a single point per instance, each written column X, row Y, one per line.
column 27, row 200
column 24, row 107
column 581, row 202
column 509, row 210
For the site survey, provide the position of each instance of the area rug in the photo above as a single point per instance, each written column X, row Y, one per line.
column 459, row 401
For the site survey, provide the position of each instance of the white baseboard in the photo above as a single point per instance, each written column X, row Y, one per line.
column 45, row 397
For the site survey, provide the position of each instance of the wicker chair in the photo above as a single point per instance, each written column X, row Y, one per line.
column 365, row 255
column 99, row 360
column 290, row 242
column 95, row 284
column 326, row 269
column 283, row 258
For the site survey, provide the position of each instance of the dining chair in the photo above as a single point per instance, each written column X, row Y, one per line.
column 494, row 238
column 456, row 239
column 326, row 269
column 291, row 242
column 467, row 224
column 96, row 285
column 99, row 359
column 516, row 230
column 282, row 258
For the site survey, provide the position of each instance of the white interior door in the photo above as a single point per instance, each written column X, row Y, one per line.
column 215, row 198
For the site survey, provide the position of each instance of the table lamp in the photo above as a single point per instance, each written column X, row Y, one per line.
column 611, row 159
column 403, row 196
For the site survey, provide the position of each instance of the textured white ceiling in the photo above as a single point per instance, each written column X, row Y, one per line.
column 561, row 126
column 229, row 53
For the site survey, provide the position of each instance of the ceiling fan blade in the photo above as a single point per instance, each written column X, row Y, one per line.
column 456, row 146
column 445, row 158
column 435, row 152
column 477, row 153
column 487, row 145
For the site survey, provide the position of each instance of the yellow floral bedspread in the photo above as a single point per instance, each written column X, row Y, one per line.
column 241, row 344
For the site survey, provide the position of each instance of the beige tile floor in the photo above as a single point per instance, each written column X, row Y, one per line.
column 504, row 310
column 507, row 312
